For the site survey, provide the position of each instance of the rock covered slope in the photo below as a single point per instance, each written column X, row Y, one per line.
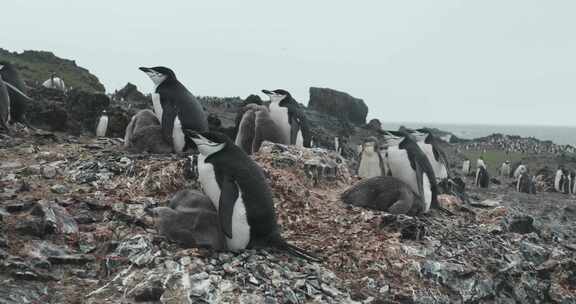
column 74, row 229
column 37, row 66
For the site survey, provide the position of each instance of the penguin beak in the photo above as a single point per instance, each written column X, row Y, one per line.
column 144, row 69
column 267, row 92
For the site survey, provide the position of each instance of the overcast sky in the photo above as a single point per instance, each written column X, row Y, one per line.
column 450, row 61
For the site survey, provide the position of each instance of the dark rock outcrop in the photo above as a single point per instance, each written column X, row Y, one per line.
column 338, row 104
column 130, row 95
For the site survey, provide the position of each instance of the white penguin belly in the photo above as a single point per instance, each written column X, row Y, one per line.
column 557, row 180
column 240, row 228
column 157, row 106
column 280, row 116
column 178, row 139
column 299, row 139
column 399, row 165
column 102, row 126
column 369, row 165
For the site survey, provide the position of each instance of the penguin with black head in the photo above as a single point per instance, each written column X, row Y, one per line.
column 238, row 188
column 16, row 91
column 482, row 179
column 405, row 160
column 178, row 108
column 288, row 115
column 430, row 145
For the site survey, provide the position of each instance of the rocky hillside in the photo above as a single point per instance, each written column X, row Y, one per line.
column 37, row 66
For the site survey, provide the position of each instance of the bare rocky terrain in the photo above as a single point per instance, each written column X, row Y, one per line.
column 74, row 229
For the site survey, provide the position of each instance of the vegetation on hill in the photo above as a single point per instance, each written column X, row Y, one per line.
column 37, row 66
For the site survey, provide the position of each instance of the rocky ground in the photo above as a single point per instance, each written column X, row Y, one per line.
column 74, row 229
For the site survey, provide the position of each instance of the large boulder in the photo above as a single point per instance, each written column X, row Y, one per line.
column 338, row 104
column 130, row 94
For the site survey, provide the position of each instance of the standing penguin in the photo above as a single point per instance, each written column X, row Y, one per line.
column 482, row 178
column 16, row 91
column 526, row 184
column 102, row 125
column 431, row 147
column 371, row 163
column 284, row 110
column 179, row 108
column 466, row 167
column 237, row 187
column 405, row 160
column 255, row 127
column 505, row 169
column 558, row 180
column 55, row 83
column 4, row 105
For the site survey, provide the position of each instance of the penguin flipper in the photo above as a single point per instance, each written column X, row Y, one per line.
column 228, row 196
column 168, row 115
column 15, row 89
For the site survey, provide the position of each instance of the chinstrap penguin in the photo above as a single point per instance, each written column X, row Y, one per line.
column 238, row 188
column 430, row 145
column 102, row 125
column 385, row 193
column 466, row 167
column 289, row 117
column 55, row 83
column 190, row 220
column 255, row 127
column 482, row 178
column 179, row 108
column 16, row 91
column 371, row 163
column 404, row 160
column 144, row 134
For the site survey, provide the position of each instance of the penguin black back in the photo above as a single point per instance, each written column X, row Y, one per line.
column 18, row 102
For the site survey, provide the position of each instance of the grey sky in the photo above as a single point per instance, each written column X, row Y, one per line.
column 489, row 61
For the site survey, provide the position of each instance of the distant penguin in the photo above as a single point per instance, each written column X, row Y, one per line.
column 55, row 83
column 526, row 184
column 255, row 127
column 430, row 145
column 337, row 144
column 505, row 169
column 558, row 178
column 466, row 167
column 102, row 125
column 519, row 171
column 179, row 108
column 191, row 221
column 482, row 179
column 371, row 163
column 16, row 91
column 285, row 111
column 385, row 193
column 480, row 163
column 238, row 188
column 4, row 105
column 404, row 160
column 144, row 134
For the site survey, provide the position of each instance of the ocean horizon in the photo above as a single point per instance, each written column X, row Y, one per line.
column 563, row 135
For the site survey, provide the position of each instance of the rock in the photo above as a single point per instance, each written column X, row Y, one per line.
column 522, row 224
column 131, row 96
column 485, row 203
column 59, row 189
column 152, row 291
column 137, row 249
column 49, row 172
column 53, row 218
column 534, row 253
column 83, row 110
column 75, row 259
column 338, row 104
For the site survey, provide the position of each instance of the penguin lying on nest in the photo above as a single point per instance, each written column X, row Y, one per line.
column 190, row 220
column 144, row 134
column 239, row 191
column 384, row 193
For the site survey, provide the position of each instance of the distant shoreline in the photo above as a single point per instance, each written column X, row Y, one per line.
column 561, row 135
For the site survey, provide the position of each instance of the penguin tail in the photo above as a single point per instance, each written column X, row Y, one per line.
column 295, row 251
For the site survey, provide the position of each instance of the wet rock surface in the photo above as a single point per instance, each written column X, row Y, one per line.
column 96, row 242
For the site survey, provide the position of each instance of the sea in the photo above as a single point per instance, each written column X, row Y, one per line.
column 557, row 134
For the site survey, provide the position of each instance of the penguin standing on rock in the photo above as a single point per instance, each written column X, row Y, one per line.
column 405, row 160
column 466, row 167
column 179, row 108
column 102, row 125
column 431, row 147
column 292, row 122
column 237, row 187
column 482, row 178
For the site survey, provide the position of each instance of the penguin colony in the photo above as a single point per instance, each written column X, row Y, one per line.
column 400, row 172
